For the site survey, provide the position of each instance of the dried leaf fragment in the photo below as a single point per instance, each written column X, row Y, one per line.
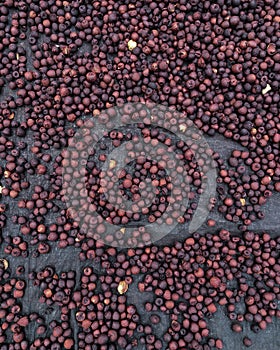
column 122, row 287
column 131, row 44
column 123, row 230
column 183, row 127
column 66, row 50
column 242, row 201
column 5, row 263
column 266, row 89
column 112, row 163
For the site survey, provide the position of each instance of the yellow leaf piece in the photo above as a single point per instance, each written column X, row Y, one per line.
column 122, row 287
column 123, row 230
column 183, row 127
column 66, row 50
column 266, row 89
column 6, row 174
column 112, row 163
column 131, row 44
column 242, row 201
column 5, row 263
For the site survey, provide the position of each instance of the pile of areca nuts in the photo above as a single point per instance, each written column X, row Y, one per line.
column 215, row 64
